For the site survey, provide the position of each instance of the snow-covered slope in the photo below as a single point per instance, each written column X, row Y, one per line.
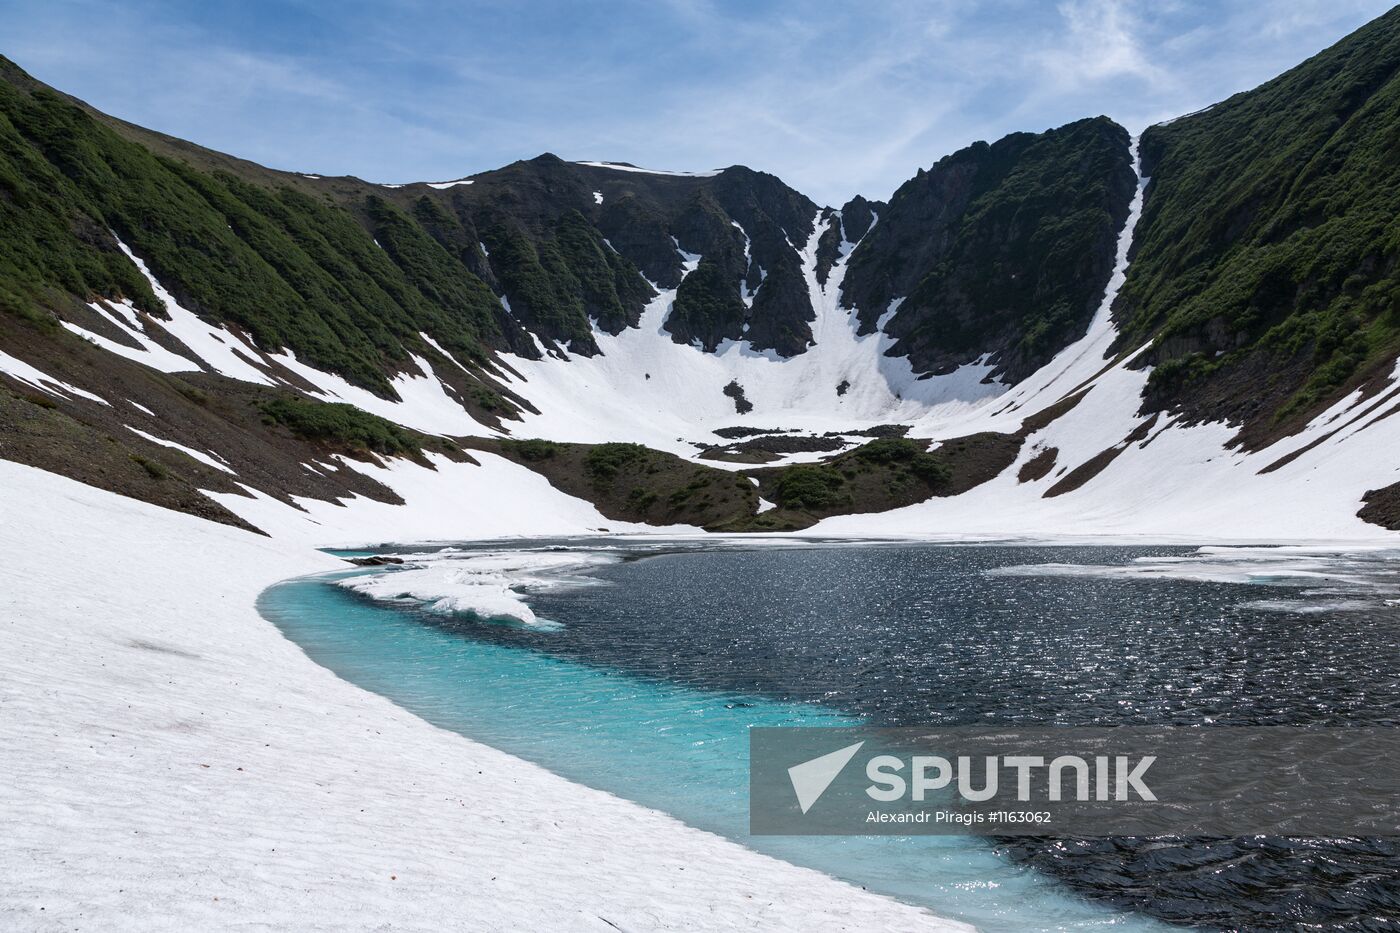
column 1167, row 479
column 644, row 387
column 175, row 763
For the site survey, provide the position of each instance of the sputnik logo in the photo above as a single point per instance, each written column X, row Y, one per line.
column 810, row 779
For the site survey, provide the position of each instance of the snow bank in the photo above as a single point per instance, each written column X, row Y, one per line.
column 1358, row 568
column 217, row 347
column 1345, row 578
column 445, row 501
column 425, row 402
column 148, row 352
column 173, row 762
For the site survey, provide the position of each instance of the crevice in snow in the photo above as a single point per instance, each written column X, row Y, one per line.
column 744, row 294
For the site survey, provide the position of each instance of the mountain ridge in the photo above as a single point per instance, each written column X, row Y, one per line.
column 555, row 297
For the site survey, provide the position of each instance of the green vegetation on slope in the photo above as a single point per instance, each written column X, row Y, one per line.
column 294, row 271
column 882, row 474
column 886, row 473
column 630, row 482
column 346, row 274
column 544, row 294
column 99, row 444
column 612, row 291
column 1265, row 265
column 52, row 243
column 346, row 428
column 439, row 278
column 635, row 483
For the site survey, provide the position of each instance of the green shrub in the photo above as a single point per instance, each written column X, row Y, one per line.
column 26, row 309
column 155, row 469
column 488, row 400
column 338, row 423
column 43, row 401
column 931, row 469
column 889, row 450
column 809, row 487
column 606, row 460
column 535, row 450
column 193, row 393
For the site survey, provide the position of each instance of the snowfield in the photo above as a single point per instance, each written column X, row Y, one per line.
column 172, row 762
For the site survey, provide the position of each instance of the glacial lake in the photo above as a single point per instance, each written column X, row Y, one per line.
column 650, row 659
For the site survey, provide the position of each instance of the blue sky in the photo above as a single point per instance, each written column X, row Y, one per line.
column 835, row 97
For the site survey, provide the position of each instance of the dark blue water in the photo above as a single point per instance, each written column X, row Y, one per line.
column 674, row 655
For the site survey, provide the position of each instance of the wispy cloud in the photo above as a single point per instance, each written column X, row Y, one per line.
column 1100, row 41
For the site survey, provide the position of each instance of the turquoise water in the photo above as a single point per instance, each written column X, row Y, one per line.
column 674, row 748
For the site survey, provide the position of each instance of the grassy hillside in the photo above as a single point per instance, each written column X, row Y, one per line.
column 347, row 274
column 629, row 482
column 292, row 270
column 1265, row 265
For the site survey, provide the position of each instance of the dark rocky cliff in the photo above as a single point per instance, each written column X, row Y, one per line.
column 1000, row 251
